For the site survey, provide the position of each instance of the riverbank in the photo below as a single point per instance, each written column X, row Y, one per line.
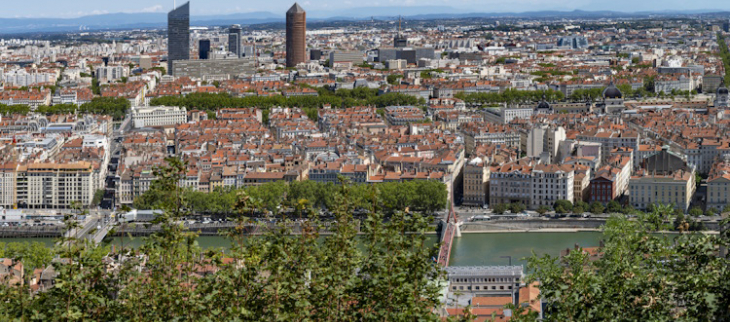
column 551, row 225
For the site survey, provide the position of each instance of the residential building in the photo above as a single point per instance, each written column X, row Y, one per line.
column 551, row 183
column 476, row 182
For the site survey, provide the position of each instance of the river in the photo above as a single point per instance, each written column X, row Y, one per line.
column 469, row 249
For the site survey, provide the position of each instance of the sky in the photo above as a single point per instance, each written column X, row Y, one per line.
column 76, row 8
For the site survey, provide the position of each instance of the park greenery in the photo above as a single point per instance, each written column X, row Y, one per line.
column 339, row 98
column 112, row 106
column 418, row 195
column 724, row 55
column 384, row 274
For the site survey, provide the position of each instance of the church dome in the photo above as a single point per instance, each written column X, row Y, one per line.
column 612, row 92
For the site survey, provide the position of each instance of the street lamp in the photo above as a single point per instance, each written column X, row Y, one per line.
column 510, row 259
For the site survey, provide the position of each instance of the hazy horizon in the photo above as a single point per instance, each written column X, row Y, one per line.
column 326, row 8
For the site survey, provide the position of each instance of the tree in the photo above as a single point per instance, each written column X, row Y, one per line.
column 638, row 275
column 564, row 205
column 274, row 275
column 596, row 208
column 613, row 207
column 711, row 211
column 696, row 211
column 542, row 210
column 98, row 196
column 517, row 207
column 499, row 208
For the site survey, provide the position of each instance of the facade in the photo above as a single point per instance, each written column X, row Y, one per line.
column 296, row 36
column 204, row 49
column 7, row 184
column 178, row 35
column 476, row 183
column 485, row 279
column 403, row 115
column 54, row 186
column 511, row 183
column 718, row 184
column 110, row 73
column 505, row 115
column 234, row 40
column 667, row 189
column 214, row 69
column 551, row 183
column 158, row 116
column 351, row 57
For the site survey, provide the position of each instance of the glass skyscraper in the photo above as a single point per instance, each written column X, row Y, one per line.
column 203, row 48
column 178, row 35
column 234, row 40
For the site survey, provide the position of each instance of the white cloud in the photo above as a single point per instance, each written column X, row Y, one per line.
column 155, row 8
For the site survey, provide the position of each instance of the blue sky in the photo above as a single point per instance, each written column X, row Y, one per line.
column 75, row 8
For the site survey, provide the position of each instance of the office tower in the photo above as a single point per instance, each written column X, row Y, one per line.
column 296, row 36
column 315, row 54
column 178, row 35
column 234, row 40
column 203, row 48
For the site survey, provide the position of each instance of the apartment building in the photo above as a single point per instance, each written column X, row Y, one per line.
column 551, row 183
column 718, row 185
column 481, row 132
column 158, row 116
column 511, row 183
column 403, row 115
column 8, row 176
column 504, row 115
column 667, row 189
column 476, row 182
column 54, row 185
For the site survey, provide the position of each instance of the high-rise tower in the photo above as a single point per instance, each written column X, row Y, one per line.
column 203, row 48
column 234, row 40
column 296, row 36
column 178, row 35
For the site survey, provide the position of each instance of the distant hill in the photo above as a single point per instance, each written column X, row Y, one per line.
column 157, row 20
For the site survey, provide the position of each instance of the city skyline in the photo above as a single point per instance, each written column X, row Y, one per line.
column 327, row 8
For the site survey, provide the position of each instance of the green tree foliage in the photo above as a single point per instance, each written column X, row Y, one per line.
column 499, row 208
column 418, row 195
column 724, row 55
column 542, row 210
column 563, row 206
column 613, row 207
column 95, row 86
column 393, row 79
column 590, row 94
column 57, row 109
column 640, row 276
column 116, row 107
column 340, row 98
column 517, row 207
column 510, row 96
column 14, row 109
column 596, row 208
column 33, row 254
column 696, row 212
column 279, row 276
